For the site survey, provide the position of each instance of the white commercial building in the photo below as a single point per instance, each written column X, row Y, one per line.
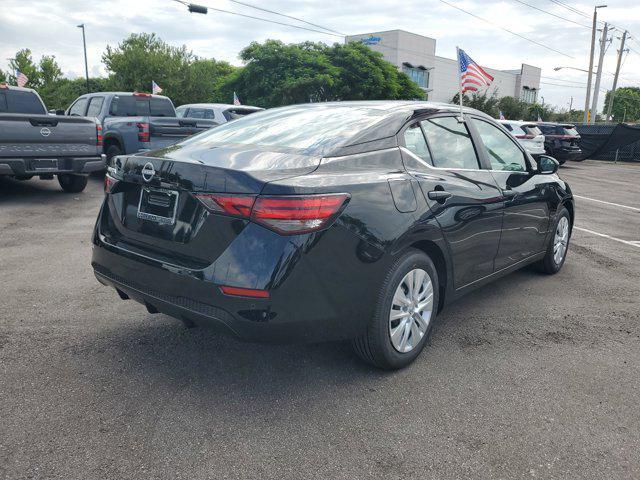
column 438, row 76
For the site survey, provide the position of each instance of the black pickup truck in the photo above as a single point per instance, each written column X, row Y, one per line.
column 35, row 143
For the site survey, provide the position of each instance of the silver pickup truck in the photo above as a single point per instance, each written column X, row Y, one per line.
column 34, row 143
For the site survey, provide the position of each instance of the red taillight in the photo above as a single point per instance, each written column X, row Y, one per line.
column 98, row 135
column 527, row 137
column 143, row 132
column 287, row 214
column 244, row 292
column 237, row 205
column 109, row 183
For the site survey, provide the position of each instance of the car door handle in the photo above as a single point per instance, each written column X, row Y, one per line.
column 509, row 193
column 438, row 195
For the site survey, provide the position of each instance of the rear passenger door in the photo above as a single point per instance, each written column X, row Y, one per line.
column 463, row 197
column 526, row 209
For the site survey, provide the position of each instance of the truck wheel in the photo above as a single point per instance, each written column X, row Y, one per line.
column 72, row 183
column 111, row 152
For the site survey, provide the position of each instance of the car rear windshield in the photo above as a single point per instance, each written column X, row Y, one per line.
column 18, row 101
column 134, row 106
column 313, row 129
column 570, row 131
column 235, row 113
column 531, row 130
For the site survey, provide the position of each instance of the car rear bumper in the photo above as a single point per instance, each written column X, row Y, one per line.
column 313, row 301
column 52, row 165
column 566, row 154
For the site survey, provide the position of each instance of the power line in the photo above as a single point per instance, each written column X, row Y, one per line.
column 570, row 8
column 563, row 80
column 287, row 16
column 505, row 29
column 552, row 14
column 264, row 19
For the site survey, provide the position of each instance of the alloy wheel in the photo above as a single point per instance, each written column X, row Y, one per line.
column 411, row 310
column 561, row 240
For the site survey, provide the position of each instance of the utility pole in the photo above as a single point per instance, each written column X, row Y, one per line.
column 86, row 66
column 570, row 105
column 596, row 88
column 615, row 78
column 593, row 45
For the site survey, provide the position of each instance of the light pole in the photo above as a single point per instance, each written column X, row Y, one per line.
column 86, row 65
column 590, row 71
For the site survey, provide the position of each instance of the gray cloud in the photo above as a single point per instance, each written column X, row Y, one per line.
column 49, row 27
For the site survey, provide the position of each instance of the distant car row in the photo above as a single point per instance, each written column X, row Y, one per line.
column 35, row 143
column 559, row 140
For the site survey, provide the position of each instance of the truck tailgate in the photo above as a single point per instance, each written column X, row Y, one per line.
column 24, row 135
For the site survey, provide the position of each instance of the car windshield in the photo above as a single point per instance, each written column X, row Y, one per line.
column 313, row 129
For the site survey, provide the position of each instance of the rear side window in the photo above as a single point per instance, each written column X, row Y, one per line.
column 503, row 153
column 450, row 143
column 129, row 106
column 95, row 106
column 547, row 129
column 415, row 142
column 180, row 111
column 78, row 108
column 532, row 130
column 23, row 102
column 161, row 107
column 201, row 113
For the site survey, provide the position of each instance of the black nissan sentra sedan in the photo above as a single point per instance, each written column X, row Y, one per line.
column 330, row 221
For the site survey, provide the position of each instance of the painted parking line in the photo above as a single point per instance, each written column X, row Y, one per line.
column 608, row 203
column 627, row 242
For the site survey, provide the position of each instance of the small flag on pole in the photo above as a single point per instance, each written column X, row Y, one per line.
column 21, row 79
column 155, row 88
column 236, row 100
column 502, row 115
column 472, row 75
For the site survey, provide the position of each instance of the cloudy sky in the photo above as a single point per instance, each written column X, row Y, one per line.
column 48, row 27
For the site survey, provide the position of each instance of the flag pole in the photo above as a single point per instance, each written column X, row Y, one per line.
column 459, row 81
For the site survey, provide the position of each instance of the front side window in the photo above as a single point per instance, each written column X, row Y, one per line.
column 95, row 106
column 415, row 142
column 450, row 143
column 77, row 109
column 503, row 153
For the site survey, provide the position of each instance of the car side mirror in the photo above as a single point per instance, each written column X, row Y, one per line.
column 547, row 165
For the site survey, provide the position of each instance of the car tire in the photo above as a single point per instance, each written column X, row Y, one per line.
column 71, row 183
column 376, row 346
column 562, row 227
column 112, row 151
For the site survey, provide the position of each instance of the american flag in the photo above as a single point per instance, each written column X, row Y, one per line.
column 472, row 75
column 236, row 100
column 155, row 88
column 21, row 79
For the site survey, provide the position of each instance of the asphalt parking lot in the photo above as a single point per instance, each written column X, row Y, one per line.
column 529, row 377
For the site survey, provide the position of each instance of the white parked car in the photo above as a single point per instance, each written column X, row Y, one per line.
column 528, row 134
column 219, row 112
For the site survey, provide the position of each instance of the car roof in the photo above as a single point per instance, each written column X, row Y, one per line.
column 219, row 105
column 555, row 124
column 518, row 122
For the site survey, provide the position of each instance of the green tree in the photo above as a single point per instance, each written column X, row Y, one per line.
column 626, row 104
column 485, row 102
column 512, row 108
column 23, row 62
column 3, row 76
column 279, row 74
column 66, row 91
column 142, row 58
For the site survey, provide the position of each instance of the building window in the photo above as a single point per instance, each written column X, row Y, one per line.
column 529, row 95
column 418, row 75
